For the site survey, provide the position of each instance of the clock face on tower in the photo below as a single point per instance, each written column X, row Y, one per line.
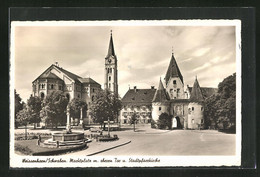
column 109, row 60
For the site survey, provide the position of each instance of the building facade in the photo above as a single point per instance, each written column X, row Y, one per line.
column 184, row 104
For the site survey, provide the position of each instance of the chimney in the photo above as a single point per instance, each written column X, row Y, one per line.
column 152, row 87
column 135, row 88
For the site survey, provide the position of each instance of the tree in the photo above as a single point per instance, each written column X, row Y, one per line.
column 164, row 121
column 220, row 109
column 105, row 107
column 23, row 118
column 54, row 109
column 75, row 106
column 133, row 119
column 34, row 108
column 18, row 106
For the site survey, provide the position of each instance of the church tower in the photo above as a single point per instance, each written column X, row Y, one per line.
column 111, row 81
column 196, row 107
column 174, row 80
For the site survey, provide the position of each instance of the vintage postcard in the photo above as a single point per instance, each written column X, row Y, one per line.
column 164, row 93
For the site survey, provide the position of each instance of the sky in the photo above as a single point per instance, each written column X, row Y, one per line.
column 143, row 53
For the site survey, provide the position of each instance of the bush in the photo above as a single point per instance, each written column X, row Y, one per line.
column 153, row 124
column 164, row 121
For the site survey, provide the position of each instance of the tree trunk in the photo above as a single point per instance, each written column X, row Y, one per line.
column 26, row 132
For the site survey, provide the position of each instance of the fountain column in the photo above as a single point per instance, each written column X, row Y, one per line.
column 68, row 126
column 81, row 117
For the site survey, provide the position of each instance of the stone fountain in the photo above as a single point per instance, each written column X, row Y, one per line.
column 66, row 138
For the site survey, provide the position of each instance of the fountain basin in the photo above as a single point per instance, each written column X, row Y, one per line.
column 68, row 137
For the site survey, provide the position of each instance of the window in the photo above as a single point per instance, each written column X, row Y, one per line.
column 52, row 86
column 42, row 95
column 93, row 98
column 174, row 82
column 93, row 90
column 192, row 121
column 107, row 70
column 192, row 108
column 109, row 85
column 43, row 86
column 110, row 70
column 202, row 121
column 60, row 87
column 78, row 96
column 109, row 78
column 160, row 108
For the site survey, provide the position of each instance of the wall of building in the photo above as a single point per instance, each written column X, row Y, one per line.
column 180, row 110
column 144, row 114
column 175, row 91
column 158, row 109
column 195, row 115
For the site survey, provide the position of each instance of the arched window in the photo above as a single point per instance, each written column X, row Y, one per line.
column 174, row 81
column 52, row 86
column 93, row 97
column 192, row 108
column 42, row 95
column 109, row 78
column 160, row 108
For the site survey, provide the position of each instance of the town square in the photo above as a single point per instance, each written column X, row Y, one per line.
column 158, row 104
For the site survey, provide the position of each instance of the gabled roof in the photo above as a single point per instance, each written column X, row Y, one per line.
column 161, row 94
column 111, row 50
column 87, row 81
column 196, row 93
column 69, row 74
column 173, row 70
column 49, row 75
column 206, row 91
column 138, row 97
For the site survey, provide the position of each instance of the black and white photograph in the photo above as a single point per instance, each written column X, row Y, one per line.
column 151, row 93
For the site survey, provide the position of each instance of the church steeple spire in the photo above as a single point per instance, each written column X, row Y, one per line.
column 173, row 70
column 111, row 50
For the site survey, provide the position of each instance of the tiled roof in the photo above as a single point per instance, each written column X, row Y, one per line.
column 161, row 94
column 206, row 91
column 196, row 93
column 71, row 75
column 173, row 70
column 138, row 97
column 87, row 81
